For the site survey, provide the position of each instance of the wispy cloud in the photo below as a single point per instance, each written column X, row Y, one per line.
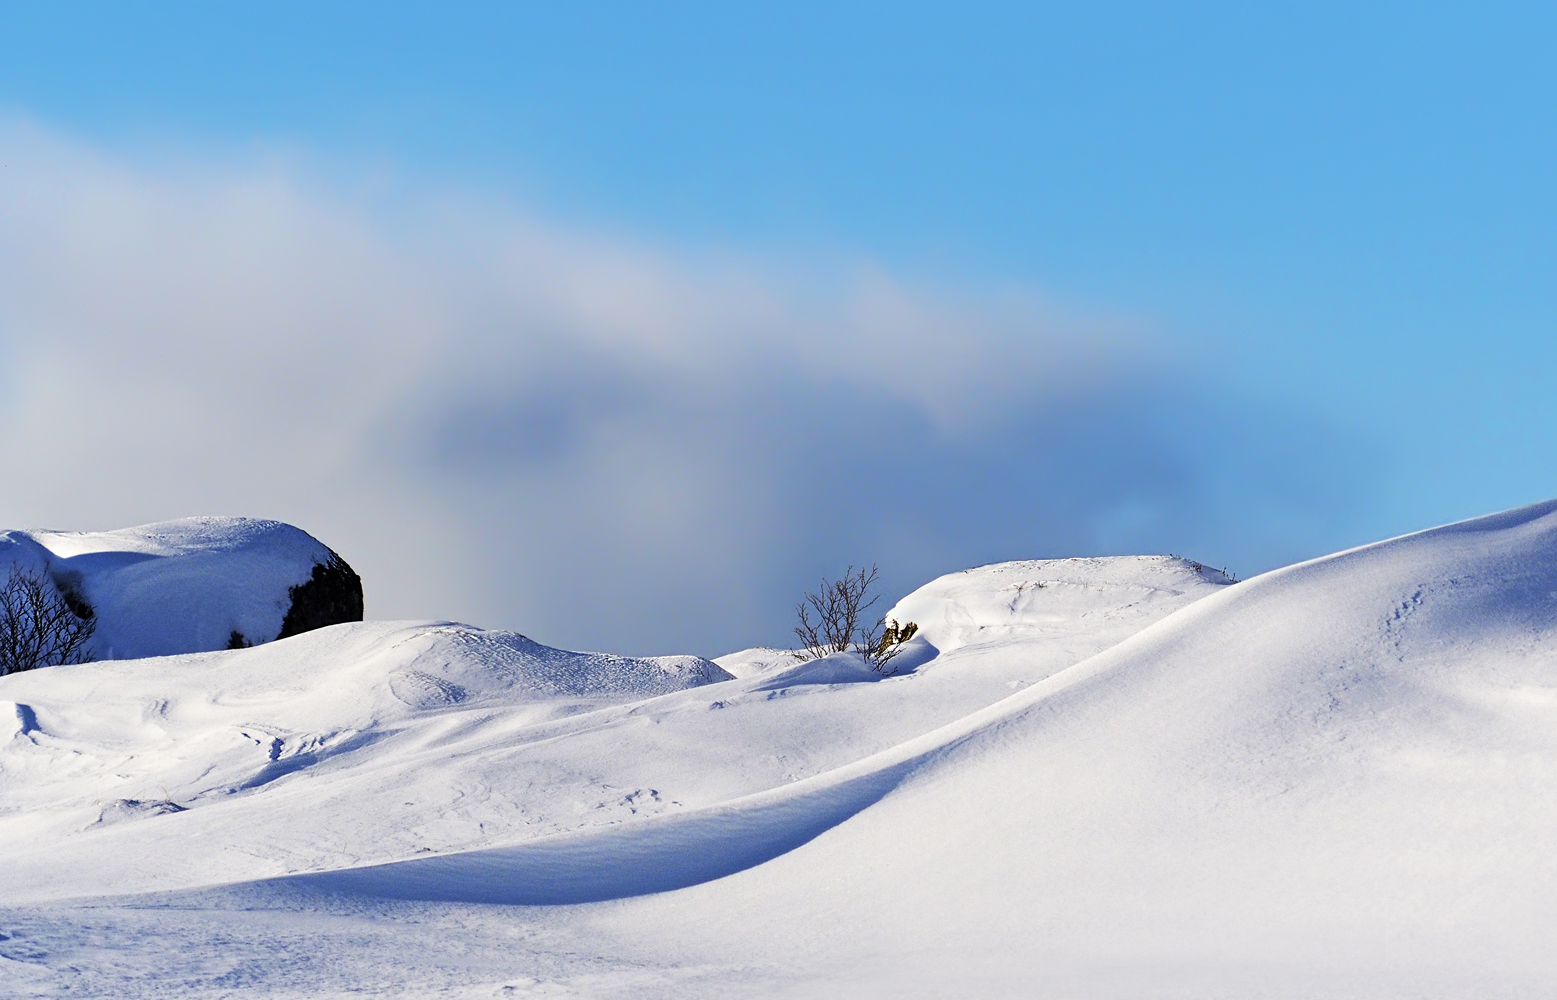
column 584, row 436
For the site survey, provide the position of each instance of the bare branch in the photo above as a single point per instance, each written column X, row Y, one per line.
column 42, row 623
column 840, row 607
column 808, row 632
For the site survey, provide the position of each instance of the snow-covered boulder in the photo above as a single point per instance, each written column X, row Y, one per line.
column 192, row 585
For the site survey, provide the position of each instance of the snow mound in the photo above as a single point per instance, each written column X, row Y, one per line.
column 1047, row 597
column 460, row 662
column 179, row 586
column 756, row 660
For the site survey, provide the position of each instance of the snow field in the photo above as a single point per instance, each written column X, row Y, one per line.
column 1134, row 780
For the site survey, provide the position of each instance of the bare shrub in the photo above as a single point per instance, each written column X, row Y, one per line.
column 839, row 607
column 41, row 625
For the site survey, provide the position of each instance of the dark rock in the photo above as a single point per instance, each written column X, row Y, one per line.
column 331, row 596
column 69, row 586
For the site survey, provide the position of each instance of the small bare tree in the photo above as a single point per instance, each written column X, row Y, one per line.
column 39, row 625
column 839, row 608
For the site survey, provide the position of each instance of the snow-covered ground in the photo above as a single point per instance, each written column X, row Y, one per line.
column 1092, row 777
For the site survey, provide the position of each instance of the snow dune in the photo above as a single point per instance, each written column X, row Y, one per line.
column 1339, row 778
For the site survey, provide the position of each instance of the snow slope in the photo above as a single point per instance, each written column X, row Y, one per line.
column 401, row 739
column 176, row 586
column 1336, row 779
column 342, row 725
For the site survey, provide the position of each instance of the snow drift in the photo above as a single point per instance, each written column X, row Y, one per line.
column 399, row 739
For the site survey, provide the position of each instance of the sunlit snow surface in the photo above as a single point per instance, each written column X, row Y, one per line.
column 1090, row 778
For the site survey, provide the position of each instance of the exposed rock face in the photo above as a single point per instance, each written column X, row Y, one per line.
column 331, row 596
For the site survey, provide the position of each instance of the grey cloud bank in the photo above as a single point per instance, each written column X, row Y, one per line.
column 593, row 440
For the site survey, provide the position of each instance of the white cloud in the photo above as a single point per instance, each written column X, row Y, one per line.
column 582, row 436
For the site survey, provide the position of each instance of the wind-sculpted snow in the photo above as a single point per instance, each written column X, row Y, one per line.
column 1336, row 779
column 401, row 740
column 502, row 666
column 615, row 862
column 225, row 737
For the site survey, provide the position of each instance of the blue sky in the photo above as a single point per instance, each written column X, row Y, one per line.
column 1324, row 232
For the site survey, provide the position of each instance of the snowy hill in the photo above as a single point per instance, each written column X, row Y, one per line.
column 194, row 584
column 1118, row 777
column 244, row 741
